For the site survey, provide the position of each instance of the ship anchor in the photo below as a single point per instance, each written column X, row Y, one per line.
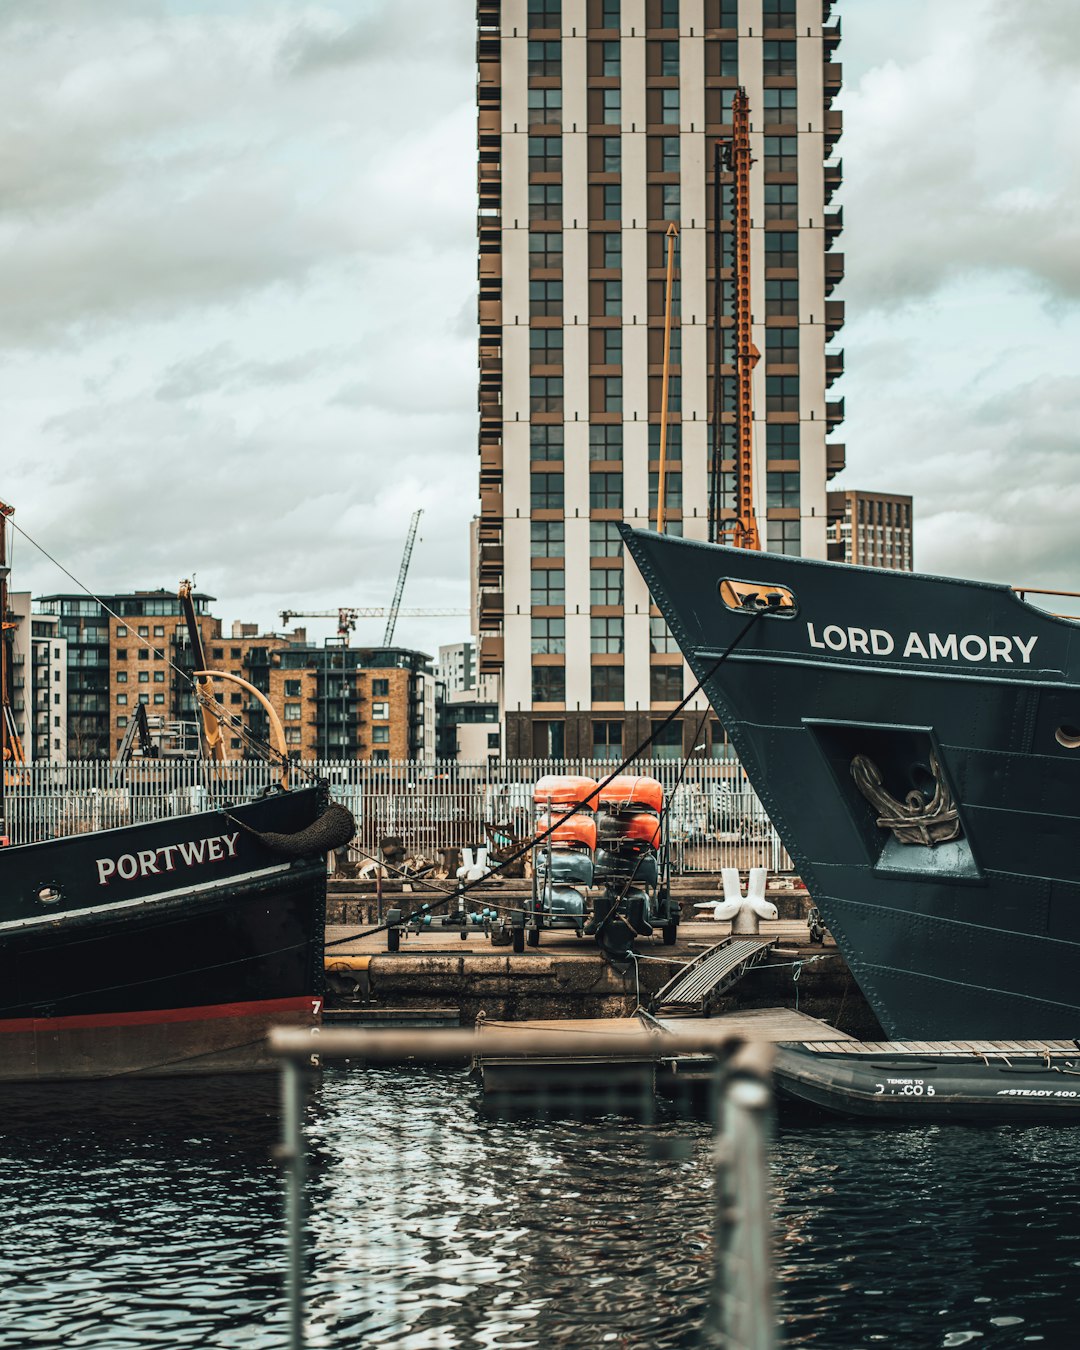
column 915, row 820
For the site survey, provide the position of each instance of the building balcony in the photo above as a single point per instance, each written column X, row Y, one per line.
column 834, row 225
column 835, row 459
column 834, row 128
column 834, row 318
column 834, row 177
column 834, row 366
column 834, row 413
column 491, row 654
column 834, row 77
column 831, row 34
column 490, row 611
column 834, row 270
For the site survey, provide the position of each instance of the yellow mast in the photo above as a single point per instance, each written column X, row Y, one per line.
column 671, row 235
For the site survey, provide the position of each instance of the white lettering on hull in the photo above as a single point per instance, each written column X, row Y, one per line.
column 152, row 861
column 997, row 648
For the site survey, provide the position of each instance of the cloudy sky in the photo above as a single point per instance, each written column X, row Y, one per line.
column 237, row 267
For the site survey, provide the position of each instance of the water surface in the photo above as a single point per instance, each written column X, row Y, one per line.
column 151, row 1215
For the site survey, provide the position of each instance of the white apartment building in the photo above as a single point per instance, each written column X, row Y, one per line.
column 597, row 122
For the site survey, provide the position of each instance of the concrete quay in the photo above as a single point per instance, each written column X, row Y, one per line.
column 438, row 979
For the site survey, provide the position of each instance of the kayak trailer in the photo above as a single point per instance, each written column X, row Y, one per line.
column 991, row 1081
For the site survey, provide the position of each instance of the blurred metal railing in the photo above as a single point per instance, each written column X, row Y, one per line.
column 739, row 1304
column 715, row 816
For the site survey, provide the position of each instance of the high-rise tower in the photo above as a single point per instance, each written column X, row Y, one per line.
column 596, row 126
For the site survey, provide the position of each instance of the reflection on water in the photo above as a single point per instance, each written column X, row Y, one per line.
column 150, row 1215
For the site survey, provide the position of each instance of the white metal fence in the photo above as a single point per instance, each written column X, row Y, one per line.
column 716, row 819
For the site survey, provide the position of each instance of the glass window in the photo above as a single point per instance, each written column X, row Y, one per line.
column 613, row 249
column 669, row 58
column 665, row 684
column 548, row 637
column 545, row 105
column 605, row 541
column 669, row 107
column 607, row 740
column 660, row 639
column 779, row 105
column 159, row 630
column 549, row 684
column 781, row 154
column 782, row 440
column 781, row 201
column 610, row 14
column 612, row 158
column 612, row 298
column 122, row 700
column 546, row 393
column 380, row 735
column 159, row 698
column 611, row 59
column 545, row 13
column 613, row 348
column 667, row 742
column 672, row 490
column 546, row 491
column 729, row 58
column 782, row 297
column 545, row 248
column 783, row 536
column 544, row 58
column 545, row 297
column 548, row 586
column 778, row 58
column 545, row 154
column 782, row 346
column 778, row 13
column 782, row 489
column 606, row 636
column 545, row 201
column 612, row 107
column 670, row 197
column 144, row 630
column 121, row 631
column 605, row 491
column 605, row 441
column 159, row 677
column 548, row 538
column 144, row 677
column 669, row 154
column 669, row 13
column 673, row 448
column 781, row 248
column 380, row 711
column 121, row 677
column 781, row 393
column 546, row 346
column 606, row 586
column 608, row 684
column 612, row 201
column 380, row 688
column 613, row 393
column 546, row 442
column 122, row 721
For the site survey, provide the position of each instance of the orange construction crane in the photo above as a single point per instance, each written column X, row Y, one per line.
column 733, row 154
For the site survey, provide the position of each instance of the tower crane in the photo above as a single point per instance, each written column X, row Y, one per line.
column 406, row 558
column 733, row 154
column 347, row 616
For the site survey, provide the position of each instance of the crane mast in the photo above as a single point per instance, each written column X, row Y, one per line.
column 406, row 557
column 733, row 154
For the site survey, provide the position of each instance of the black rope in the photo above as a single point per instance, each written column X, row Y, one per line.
column 539, row 839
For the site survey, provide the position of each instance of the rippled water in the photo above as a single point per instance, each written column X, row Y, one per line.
column 151, row 1215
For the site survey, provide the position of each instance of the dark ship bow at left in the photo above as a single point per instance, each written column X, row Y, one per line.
column 165, row 948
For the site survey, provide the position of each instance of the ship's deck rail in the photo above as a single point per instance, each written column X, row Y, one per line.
column 1024, row 591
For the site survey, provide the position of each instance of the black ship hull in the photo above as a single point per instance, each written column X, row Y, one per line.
column 914, row 740
column 165, row 948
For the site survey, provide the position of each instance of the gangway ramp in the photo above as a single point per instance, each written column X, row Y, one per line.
column 710, row 974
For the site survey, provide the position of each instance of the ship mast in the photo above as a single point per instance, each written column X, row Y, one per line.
column 5, row 511
column 734, row 154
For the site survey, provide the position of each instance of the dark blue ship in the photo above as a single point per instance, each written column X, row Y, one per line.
column 916, row 742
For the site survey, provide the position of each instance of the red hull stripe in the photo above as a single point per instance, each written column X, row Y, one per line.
column 310, row 1004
